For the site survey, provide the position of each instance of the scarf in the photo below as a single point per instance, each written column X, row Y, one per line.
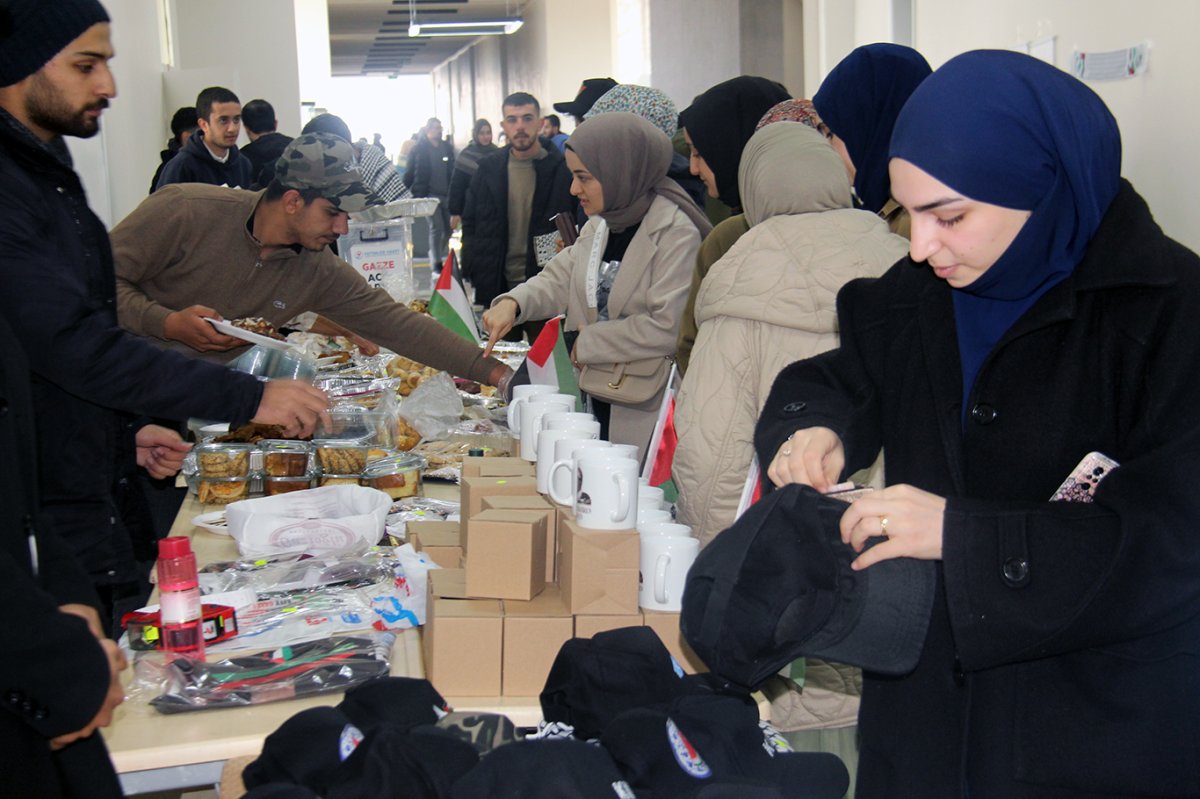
column 1036, row 140
column 860, row 99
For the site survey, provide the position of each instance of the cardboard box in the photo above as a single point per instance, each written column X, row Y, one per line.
column 447, row 584
column 598, row 570
column 667, row 626
column 474, row 489
column 508, row 554
column 539, row 504
column 496, row 467
column 440, row 541
column 534, row 632
column 463, row 642
column 587, row 626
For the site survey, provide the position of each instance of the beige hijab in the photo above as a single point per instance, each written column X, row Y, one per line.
column 630, row 157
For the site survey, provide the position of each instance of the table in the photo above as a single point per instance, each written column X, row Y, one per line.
column 153, row 752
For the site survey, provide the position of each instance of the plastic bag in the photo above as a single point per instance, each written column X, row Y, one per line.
column 433, row 407
column 317, row 667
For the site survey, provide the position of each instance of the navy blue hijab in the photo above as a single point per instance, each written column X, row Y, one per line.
column 1007, row 129
column 859, row 101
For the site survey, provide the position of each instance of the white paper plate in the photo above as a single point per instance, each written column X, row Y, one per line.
column 213, row 522
column 246, row 335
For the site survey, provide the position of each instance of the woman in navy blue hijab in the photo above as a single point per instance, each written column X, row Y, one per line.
column 1030, row 371
column 859, row 101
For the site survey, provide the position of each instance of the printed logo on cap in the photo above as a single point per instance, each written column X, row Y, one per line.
column 685, row 754
column 350, row 739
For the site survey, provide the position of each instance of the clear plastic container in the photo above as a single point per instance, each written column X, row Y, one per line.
column 340, row 479
column 223, row 460
column 285, row 485
column 397, row 477
column 286, row 458
column 222, row 490
column 341, row 457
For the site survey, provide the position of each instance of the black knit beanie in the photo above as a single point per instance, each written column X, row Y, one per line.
column 34, row 31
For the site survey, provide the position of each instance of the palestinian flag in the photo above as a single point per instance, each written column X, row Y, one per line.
column 661, row 452
column 449, row 304
column 548, row 362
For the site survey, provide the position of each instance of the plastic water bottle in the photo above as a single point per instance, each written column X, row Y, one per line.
column 179, row 598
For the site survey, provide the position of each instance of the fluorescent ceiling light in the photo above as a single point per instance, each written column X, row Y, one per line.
column 487, row 28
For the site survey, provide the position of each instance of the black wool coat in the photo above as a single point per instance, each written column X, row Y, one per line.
column 93, row 383
column 485, row 219
column 1063, row 653
column 53, row 674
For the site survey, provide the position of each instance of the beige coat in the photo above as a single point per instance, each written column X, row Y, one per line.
column 644, row 308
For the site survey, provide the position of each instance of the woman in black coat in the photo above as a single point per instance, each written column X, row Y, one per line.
column 1042, row 316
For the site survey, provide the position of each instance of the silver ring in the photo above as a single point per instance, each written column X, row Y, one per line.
column 883, row 523
column 787, row 451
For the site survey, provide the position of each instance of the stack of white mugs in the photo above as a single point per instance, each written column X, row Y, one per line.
column 602, row 483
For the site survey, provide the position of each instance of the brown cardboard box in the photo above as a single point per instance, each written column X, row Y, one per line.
column 474, row 489
column 463, row 642
column 598, row 570
column 447, row 584
column 440, row 541
column 533, row 503
column 587, row 626
column 496, row 467
column 508, row 554
column 534, row 631
column 667, row 626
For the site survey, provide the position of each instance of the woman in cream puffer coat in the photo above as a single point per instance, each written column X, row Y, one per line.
column 768, row 302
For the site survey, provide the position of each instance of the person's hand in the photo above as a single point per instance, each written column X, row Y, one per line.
column 364, row 346
column 114, row 697
column 812, row 457
column 294, row 405
column 497, row 321
column 160, row 451
column 501, row 377
column 189, row 327
column 88, row 614
column 910, row 519
column 455, row 221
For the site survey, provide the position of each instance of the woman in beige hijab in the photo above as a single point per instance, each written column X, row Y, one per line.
column 623, row 284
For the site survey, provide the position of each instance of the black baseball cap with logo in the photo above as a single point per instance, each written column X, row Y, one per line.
column 591, row 91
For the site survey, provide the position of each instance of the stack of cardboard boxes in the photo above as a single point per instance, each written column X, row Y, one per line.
column 519, row 579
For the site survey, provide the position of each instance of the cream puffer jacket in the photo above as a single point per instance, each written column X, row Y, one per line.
column 769, row 301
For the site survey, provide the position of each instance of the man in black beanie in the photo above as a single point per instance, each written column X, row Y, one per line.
column 94, row 385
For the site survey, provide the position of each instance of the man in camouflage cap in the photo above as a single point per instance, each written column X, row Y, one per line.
column 192, row 251
column 325, row 163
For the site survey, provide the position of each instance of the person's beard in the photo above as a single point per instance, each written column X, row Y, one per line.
column 46, row 109
column 528, row 143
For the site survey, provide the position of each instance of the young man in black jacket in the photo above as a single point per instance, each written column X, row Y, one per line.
column 211, row 155
column 93, row 383
column 508, row 227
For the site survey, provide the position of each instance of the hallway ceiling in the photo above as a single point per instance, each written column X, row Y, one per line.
column 370, row 37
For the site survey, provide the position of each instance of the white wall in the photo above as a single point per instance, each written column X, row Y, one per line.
column 1157, row 113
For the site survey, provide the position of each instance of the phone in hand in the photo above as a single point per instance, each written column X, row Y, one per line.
column 1080, row 485
column 566, row 228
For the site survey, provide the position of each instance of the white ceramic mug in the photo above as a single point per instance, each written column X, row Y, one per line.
column 665, row 560
column 545, row 446
column 553, row 421
column 647, row 516
column 521, row 395
column 606, row 492
column 629, row 451
column 651, row 497
column 532, row 412
column 562, row 471
column 664, row 528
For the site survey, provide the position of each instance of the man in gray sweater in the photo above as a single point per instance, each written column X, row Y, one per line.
column 193, row 251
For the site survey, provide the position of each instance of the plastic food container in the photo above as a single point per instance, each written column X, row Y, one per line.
column 222, row 490
column 285, row 485
column 223, row 460
column 398, row 477
column 340, row 479
column 285, row 458
column 341, row 457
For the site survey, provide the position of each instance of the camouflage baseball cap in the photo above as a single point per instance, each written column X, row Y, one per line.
column 326, row 163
